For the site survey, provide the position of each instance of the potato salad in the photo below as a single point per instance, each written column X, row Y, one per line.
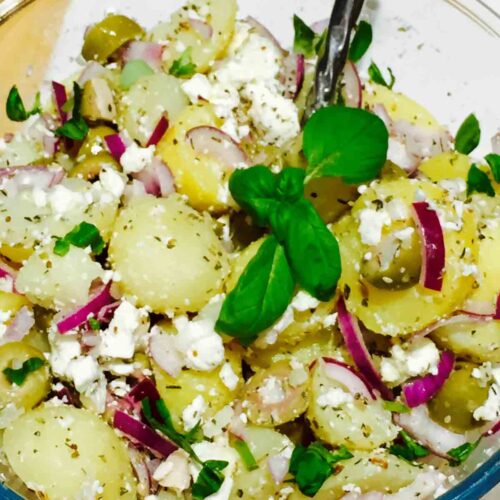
column 204, row 295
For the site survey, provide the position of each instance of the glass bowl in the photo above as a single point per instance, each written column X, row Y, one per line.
column 441, row 51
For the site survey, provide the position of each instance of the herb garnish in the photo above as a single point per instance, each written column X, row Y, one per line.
column 493, row 160
column 408, row 448
column 15, row 106
column 81, row 236
column 313, row 465
column 396, row 407
column 18, row 375
column 479, row 182
column 94, row 324
column 468, row 135
column 244, row 451
column 361, row 41
column 76, row 128
column 183, row 66
column 377, row 76
column 209, row 479
column 461, row 453
column 304, row 38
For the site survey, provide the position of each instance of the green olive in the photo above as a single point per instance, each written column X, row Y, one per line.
column 107, row 36
column 454, row 405
column 394, row 264
column 36, row 385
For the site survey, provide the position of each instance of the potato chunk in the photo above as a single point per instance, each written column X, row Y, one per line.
column 167, row 255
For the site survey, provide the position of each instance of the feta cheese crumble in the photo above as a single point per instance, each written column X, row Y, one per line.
column 334, row 398
column 193, row 413
column 136, row 158
column 371, row 223
column 271, row 391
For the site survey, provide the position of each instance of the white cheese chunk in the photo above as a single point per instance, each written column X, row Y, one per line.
column 193, row 413
column 271, row 391
column 136, row 158
column 335, row 397
column 371, row 223
column 228, row 377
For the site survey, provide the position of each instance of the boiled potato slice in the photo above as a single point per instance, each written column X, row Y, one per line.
column 56, row 282
column 141, row 107
column 357, row 423
column 167, row 255
column 15, row 253
column 180, row 392
column 36, row 385
column 276, row 395
column 201, row 177
column 398, row 106
column 375, row 471
column 479, row 342
column 61, row 451
column 12, row 302
column 22, row 150
column 179, row 33
column 399, row 312
column 450, row 165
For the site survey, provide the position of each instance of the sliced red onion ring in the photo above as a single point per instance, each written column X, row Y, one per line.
column 300, row 74
column 261, row 30
column 157, row 178
column 92, row 70
column 432, row 435
column 278, row 467
column 202, row 28
column 144, row 389
column 214, row 142
column 60, row 99
column 353, row 88
column 353, row 338
column 423, row 389
column 7, row 271
column 497, row 309
column 81, row 315
column 492, row 430
column 143, row 434
column 163, row 351
column 353, row 381
column 19, row 327
column 106, row 313
column 158, row 132
column 495, row 143
column 149, row 52
column 433, row 249
column 116, row 145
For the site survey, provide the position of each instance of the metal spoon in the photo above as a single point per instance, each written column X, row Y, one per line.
column 345, row 13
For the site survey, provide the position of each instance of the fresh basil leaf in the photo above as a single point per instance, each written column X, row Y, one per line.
column 461, row 453
column 303, row 41
column 311, row 249
column 468, row 135
column 245, row 453
column 479, row 182
column 312, row 466
column 81, row 236
column 255, row 190
column 493, row 161
column 396, row 407
column 94, row 324
column 290, row 184
column 408, row 448
column 376, row 76
column 76, row 128
column 183, row 66
column 18, row 375
column 345, row 142
column 15, row 106
column 261, row 295
column 209, row 479
column 132, row 71
column 361, row 41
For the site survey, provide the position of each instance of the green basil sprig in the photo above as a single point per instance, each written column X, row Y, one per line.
column 493, row 160
column 376, row 76
column 361, row 41
column 18, row 375
column 81, row 236
column 209, row 480
column 461, row 453
column 183, row 67
column 468, row 135
column 479, row 182
column 76, row 128
column 408, row 448
column 15, row 108
column 305, row 40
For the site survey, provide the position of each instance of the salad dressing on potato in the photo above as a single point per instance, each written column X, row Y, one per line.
column 202, row 298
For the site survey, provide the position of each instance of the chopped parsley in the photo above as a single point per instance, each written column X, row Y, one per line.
column 76, row 128
column 81, row 236
column 15, row 108
column 18, row 375
column 408, row 448
column 376, row 76
column 461, row 453
column 183, row 67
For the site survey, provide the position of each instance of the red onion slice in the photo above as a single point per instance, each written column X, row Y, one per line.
column 163, row 351
column 7, row 271
column 158, row 132
column 423, row 389
column 144, row 389
column 116, row 145
column 344, row 374
column 80, row 316
column 353, row 88
column 214, row 142
column 492, row 430
column 353, row 338
column 461, row 317
column 106, row 313
column 300, row 74
column 432, row 435
column 202, row 28
column 149, row 52
column 19, row 327
column 433, row 249
column 157, row 178
column 261, row 30
column 60, row 98
column 497, row 309
column 143, row 434
column 278, row 467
